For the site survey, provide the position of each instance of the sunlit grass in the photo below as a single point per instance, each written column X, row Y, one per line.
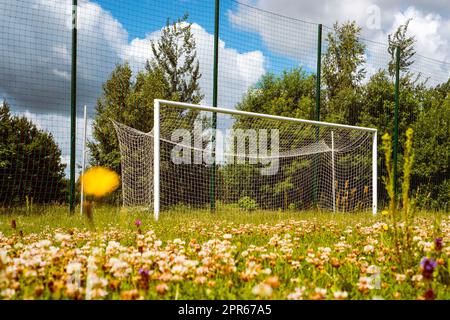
column 230, row 254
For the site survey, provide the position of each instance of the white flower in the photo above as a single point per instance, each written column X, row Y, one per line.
column 8, row 293
column 179, row 269
column 267, row 271
column 96, row 251
column 178, row 241
column 262, row 290
column 297, row 294
column 62, row 237
column 4, row 257
column 400, row 277
column 369, row 248
column 365, row 283
column 30, row 274
column 158, row 243
column 43, row 244
column 372, row 269
column 227, row 236
column 428, row 246
column 325, row 250
column 321, row 292
column 73, row 267
column 340, row 294
column 179, row 259
column 119, row 268
column 417, row 278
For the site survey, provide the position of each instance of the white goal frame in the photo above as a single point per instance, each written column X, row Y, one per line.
column 158, row 103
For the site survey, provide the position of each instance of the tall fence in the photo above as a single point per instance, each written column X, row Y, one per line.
column 37, row 79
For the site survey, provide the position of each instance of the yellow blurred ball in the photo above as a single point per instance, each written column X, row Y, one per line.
column 99, row 181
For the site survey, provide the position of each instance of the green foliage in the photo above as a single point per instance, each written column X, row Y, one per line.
column 400, row 40
column 127, row 101
column 342, row 74
column 402, row 218
column 432, row 136
column 31, row 170
column 291, row 95
column 283, row 187
column 432, row 163
column 248, row 204
column 172, row 74
column 342, row 64
column 175, row 54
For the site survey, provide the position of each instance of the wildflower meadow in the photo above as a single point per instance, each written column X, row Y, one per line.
column 309, row 255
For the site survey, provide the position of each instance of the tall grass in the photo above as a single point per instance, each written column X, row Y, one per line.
column 401, row 212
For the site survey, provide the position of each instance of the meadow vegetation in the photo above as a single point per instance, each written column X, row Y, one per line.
column 227, row 255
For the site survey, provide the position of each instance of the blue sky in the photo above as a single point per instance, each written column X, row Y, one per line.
column 131, row 14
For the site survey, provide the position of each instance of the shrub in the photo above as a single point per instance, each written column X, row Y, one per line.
column 248, row 204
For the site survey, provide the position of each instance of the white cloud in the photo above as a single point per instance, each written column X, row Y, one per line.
column 237, row 71
column 297, row 39
column 287, row 37
column 35, row 61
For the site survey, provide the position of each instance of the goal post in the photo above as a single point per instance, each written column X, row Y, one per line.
column 262, row 162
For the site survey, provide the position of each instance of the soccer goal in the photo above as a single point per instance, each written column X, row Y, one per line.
column 204, row 158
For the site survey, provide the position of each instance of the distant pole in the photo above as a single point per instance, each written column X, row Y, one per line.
column 319, row 70
column 212, row 191
column 333, row 174
column 156, row 161
column 397, row 97
column 317, row 111
column 374, row 174
column 83, row 160
column 73, row 107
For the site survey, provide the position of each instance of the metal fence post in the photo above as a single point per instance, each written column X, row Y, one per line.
column 212, row 191
column 397, row 97
column 73, row 107
column 317, row 110
column 319, row 69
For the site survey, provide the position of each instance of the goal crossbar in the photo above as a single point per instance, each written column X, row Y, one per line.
column 161, row 102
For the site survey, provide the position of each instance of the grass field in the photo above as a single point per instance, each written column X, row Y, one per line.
column 234, row 255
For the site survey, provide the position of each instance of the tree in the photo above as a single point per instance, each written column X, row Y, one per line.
column 431, row 171
column 125, row 101
column 172, row 73
column 30, row 162
column 343, row 73
column 175, row 54
column 400, row 40
column 423, row 108
column 344, row 58
column 291, row 94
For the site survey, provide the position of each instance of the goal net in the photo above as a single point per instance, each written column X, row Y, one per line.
column 204, row 158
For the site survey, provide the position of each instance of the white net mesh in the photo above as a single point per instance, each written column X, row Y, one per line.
column 259, row 163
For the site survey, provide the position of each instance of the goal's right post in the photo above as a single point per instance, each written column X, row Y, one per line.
column 156, row 160
column 374, row 174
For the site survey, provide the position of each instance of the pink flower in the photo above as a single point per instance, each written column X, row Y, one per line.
column 137, row 223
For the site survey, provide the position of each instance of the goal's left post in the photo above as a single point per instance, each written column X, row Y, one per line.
column 374, row 174
column 156, row 159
